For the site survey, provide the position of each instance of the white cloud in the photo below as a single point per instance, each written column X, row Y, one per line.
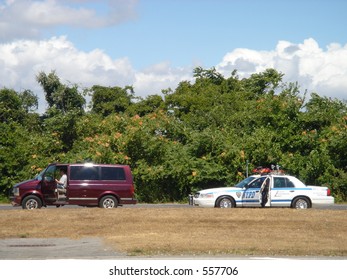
column 28, row 19
column 315, row 69
column 21, row 61
column 161, row 76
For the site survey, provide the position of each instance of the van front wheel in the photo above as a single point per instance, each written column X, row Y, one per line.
column 31, row 202
column 108, row 201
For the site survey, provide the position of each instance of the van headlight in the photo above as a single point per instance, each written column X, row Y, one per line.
column 15, row 191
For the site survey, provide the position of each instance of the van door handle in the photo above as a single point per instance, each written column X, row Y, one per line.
column 292, row 191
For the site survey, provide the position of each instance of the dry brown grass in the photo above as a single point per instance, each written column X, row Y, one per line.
column 190, row 231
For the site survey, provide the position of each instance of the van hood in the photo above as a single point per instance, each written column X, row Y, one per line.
column 25, row 182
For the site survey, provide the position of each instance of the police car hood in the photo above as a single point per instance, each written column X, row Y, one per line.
column 221, row 189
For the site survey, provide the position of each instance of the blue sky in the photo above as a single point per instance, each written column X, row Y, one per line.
column 154, row 44
column 188, row 31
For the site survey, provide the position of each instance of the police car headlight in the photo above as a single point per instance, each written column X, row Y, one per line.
column 206, row 195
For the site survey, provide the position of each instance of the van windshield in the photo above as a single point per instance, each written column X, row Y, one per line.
column 39, row 176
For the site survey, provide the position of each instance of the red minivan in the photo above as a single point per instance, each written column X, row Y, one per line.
column 88, row 184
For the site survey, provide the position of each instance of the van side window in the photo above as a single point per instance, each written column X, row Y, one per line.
column 84, row 173
column 112, row 173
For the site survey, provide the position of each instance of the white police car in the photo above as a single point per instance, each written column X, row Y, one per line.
column 283, row 191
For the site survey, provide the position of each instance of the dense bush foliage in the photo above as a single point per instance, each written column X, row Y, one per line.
column 202, row 134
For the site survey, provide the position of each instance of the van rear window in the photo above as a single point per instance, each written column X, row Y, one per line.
column 112, row 173
column 96, row 173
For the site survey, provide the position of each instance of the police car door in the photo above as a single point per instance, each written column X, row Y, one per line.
column 282, row 192
column 250, row 196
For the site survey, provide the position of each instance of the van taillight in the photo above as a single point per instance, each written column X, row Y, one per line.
column 132, row 188
column 328, row 192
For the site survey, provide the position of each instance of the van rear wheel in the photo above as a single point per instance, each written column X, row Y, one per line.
column 108, row 201
column 31, row 202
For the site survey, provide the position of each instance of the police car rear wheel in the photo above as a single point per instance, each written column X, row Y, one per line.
column 301, row 203
column 225, row 202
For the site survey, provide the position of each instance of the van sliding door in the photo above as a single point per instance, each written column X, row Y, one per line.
column 84, row 180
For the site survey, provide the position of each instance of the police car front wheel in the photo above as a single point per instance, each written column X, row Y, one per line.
column 225, row 202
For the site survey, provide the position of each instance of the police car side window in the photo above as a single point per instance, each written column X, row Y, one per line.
column 257, row 183
column 283, row 183
column 290, row 184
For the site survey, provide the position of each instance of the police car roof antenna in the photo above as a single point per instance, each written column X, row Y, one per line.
column 247, row 163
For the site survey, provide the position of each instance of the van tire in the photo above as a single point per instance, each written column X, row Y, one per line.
column 108, row 201
column 31, row 202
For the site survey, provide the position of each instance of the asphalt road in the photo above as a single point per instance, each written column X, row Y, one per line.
column 55, row 248
column 139, row 205
column 167, row 205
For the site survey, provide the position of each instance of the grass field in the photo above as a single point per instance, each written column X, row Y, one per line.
column 190, row 231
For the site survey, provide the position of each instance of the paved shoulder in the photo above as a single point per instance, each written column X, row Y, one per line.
column 54, row 248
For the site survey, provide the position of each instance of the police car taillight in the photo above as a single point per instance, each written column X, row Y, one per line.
column 328, row 192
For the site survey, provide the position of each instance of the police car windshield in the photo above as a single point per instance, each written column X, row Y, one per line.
column 244, row 182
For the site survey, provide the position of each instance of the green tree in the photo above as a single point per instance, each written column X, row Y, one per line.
column 264, row 82
column 145, row 106
column 208, row 74
column 29, row 101
column 10, row 106
column 15, row 152
column 63, row 127
column 108, row 100
column 59, row 96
